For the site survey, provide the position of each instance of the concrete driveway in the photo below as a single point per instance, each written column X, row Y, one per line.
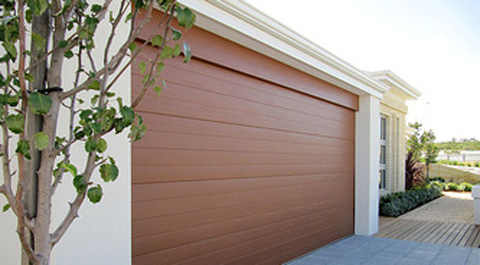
column 384, row 251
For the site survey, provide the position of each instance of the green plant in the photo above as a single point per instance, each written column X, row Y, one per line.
column 414, row 175
column 465, row 186
column 439, row 179
column 453, row 187
column 422, row 147
column 455, row 163
column 62, row 39
column 477, row 164
column 398, row 203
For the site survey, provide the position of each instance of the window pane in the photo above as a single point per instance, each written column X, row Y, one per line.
column 383, row 128
column 383, row 154
column 383, row 175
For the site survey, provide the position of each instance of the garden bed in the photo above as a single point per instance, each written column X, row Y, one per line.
column 398, row 203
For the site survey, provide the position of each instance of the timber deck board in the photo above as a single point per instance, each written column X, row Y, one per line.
column 446, row 233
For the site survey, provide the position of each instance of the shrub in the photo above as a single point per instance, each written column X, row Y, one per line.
column 398, row 203
column 439, row 179
column 477, row 164
column 455, row 163
column 465, row 186
column 452, row 187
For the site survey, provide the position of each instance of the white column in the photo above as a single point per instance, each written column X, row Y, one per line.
column 367, row 142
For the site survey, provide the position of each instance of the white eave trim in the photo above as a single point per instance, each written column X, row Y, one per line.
column 396, row 81
column 239, row 22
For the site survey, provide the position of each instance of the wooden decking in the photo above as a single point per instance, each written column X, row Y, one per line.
column 439, row 232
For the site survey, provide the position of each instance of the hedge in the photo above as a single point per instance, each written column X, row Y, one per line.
column 398, row 203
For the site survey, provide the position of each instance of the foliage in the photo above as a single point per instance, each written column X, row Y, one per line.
column 420, row 147
column 33, row 93
column 414, row 171
column 455, row 145
column 439, row 179
column 451, row 186
column 398, row 203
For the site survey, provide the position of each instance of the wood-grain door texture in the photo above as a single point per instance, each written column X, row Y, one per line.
column 245, row 161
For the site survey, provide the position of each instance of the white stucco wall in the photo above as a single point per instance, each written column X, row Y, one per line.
column 393, row 107
column 102, row 234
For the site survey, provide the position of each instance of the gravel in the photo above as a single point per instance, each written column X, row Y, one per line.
column 451, row 207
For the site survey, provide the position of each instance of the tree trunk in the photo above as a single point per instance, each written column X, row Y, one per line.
column 40, row 25
column 43, row 245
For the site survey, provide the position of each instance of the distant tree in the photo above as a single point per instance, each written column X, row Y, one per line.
column 421, row 147
column 456, row 145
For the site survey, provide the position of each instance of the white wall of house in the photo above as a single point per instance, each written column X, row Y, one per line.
column 102, row 234
column 395, row 114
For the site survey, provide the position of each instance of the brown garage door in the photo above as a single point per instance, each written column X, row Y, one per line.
column 243, row 162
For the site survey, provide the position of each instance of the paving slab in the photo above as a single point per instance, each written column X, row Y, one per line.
column 358, row 249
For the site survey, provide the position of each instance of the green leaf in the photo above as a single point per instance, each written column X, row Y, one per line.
column 68, row 54
column 23, row 148
column 85, row 114
column 96, row 8
column 177, row 50
column 128, row 115
column 186, row 18
column 80, row 183
column 6, row 207
column 29, row 77
column 176, row 34
column 97, row 128
column 90, row 146
column 132, row 47
column 137, row 131
column 187, row 52
column 39, row 103
column 95, row 85
column 143, row 67
column 102, row 145
column 119, row 126
column 95, row 194
column 167, row 52
column 37, row 6
column 15, row 123
column 129, row 17
column 108, row 172
column 157, row 90
column 10, row 48
column 70, row 168
column 39, row 42
column 40, row 140
column 157, row 40
column 160, row 67
column 62, row 44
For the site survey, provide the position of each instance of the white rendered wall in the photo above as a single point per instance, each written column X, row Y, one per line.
column 102, row 234
column 367, row 137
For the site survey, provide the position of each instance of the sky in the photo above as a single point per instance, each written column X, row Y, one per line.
column 434, row 45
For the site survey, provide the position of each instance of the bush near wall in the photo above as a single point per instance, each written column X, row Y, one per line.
column 398, row 203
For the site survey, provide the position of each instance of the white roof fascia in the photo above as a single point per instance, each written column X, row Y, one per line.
column 241, row 23
column 396, row 81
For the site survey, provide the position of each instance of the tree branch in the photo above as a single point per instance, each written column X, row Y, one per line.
column 146, row 85
column 116, row 59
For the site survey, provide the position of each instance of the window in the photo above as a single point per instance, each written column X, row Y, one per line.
column 383, row 153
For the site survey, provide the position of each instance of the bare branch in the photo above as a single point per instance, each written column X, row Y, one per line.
column 75, row 205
